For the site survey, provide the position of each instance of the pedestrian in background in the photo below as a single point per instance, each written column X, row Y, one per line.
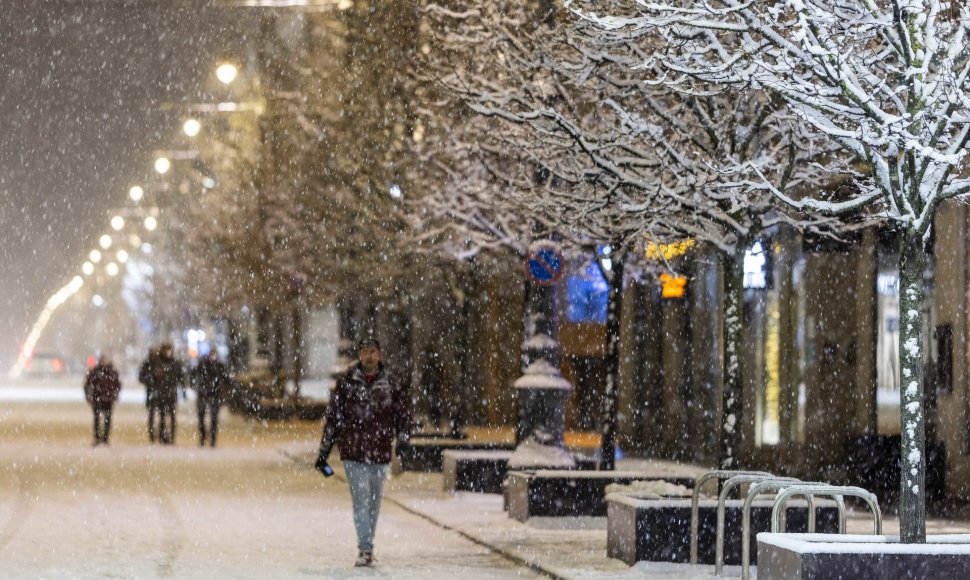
column 368, row 409
column 211, row 380
column 148, row 374
column 168, row 377
column 101, row 388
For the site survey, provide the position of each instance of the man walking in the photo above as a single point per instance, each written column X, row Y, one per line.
column 148, row 374
column 368, row 409
column 211, row 379
column 101, row 388
column 168, row 378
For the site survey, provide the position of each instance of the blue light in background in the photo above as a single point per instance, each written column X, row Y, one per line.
column 587, row 296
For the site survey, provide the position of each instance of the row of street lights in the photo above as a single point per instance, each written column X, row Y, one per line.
column 226, row 73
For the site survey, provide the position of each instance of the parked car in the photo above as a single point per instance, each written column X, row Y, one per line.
column 44, row 363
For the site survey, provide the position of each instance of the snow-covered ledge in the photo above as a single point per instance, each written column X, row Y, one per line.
column 825, row 556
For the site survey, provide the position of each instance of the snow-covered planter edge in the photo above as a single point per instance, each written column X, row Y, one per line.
column 810, row 556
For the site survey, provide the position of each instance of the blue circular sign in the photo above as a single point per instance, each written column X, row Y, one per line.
column 545, row 263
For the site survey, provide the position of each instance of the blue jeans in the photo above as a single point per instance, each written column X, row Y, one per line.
column 366, row 482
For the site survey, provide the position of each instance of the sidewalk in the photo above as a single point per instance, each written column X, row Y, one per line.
column 568, row 548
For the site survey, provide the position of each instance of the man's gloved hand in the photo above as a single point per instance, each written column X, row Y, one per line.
column 321, row 464
column 402, row 441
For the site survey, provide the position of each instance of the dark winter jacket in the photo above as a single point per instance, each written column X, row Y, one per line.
column 364, row 417
column 102, row 385
column 211, row 379
column 146, row 376
column 167, row 376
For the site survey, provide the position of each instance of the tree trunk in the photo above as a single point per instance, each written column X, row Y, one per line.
column 912, row 497
column 608, row 407
column 732, row 272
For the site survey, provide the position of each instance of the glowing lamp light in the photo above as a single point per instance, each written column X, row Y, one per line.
column 97, row 300
column 151, row 223
column 122, row 256
column 191, row 127
column 672, row 286
column 87, row 268
column 136, row 193
column 655, row 251
column 226, row 73
column 112, row 269
column 95, row 256
column 117, row 223
column 162, row 165
column 756, row 267
column 104, row 241
column 146, row 248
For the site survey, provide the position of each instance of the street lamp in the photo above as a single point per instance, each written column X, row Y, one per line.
column 136, row 193
column 191, row 127
column 226, row 73
column 162, row 165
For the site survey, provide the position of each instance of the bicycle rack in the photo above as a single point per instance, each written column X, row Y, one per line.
column 836, row 491
column 780, row 485
column 722, row 497
column 718, row 475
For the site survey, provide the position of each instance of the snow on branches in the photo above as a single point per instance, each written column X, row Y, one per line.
column 886, row 81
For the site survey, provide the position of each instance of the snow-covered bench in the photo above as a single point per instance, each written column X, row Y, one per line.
column 427, row 453
column 557, row 493
column 658, row 530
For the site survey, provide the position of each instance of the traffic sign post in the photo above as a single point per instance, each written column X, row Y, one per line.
column 545, row 263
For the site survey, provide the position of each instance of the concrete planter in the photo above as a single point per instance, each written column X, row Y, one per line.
column 548, row 493
column 659, row 530
column 426, row 453
column 833, row 556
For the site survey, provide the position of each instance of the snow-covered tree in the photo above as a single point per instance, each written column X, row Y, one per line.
column 885, row 81
column 628, row 163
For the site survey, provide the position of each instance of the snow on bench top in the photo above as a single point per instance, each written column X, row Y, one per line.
column 472, row 454
column 673, row 502
column 948, row 544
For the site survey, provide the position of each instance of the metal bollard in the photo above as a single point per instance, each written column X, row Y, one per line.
column 718, row 475
column 838, row 491
column 762, row 487
column 728, row 486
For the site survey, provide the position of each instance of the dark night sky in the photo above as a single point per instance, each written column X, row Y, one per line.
column 81, row 83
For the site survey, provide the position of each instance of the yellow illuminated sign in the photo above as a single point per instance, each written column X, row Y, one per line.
column 672, row 286
column 655, row 251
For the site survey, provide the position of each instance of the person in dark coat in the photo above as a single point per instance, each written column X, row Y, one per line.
column 368, row 409
column 148, row 374
column 101, row 388
column 211, row 380
column 168, row 377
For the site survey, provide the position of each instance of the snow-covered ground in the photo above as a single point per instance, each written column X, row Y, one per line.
column 252, row 508
column 242, row 510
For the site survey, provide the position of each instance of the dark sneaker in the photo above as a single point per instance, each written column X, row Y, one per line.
column 364, row 559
